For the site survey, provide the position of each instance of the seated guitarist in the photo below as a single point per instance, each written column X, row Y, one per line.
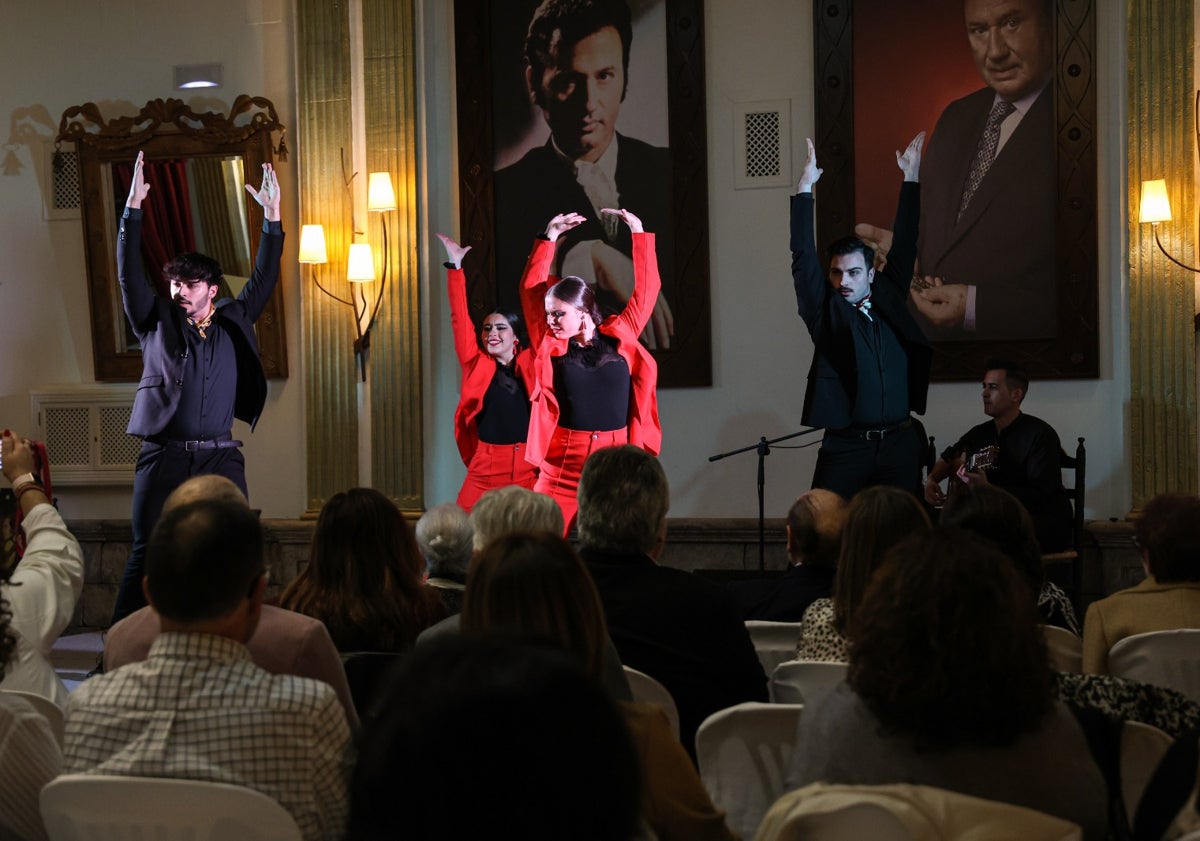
column 1026, row 462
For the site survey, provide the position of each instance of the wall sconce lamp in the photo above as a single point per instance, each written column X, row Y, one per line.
column 1155, row 208
column 360, row 263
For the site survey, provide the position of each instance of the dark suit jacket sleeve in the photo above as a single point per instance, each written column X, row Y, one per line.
column 136, row 294
column 257, row 291
column 807, row 275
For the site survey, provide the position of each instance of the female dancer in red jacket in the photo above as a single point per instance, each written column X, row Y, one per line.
column 492, row 418
column 596, row 385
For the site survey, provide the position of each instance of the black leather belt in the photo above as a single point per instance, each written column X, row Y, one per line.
column 870, row 434
column 221, row 442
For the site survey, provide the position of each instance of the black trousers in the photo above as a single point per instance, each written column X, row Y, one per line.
column 160, row 470
column 846, row 465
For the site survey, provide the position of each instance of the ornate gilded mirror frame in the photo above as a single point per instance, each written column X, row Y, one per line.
column 163, row 130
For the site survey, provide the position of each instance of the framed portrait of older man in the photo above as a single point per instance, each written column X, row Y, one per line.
column 575, row 106
column 1006, row 91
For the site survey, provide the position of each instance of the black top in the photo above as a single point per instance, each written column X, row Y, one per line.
column 882, row 392
column 208, row 386
column 592, row 384
column 504, row 418
column 1029, row 466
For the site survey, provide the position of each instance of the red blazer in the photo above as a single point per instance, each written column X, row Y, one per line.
column 645, row 430
column 477, row 367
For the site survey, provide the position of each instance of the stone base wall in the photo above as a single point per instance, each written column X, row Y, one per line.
column 725, row 547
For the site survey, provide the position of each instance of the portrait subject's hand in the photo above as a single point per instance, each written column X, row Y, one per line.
column 909, row 160
column 614, row 273
column 878, row 238
column 634, row 223
column 811, row 173
column 562, row 223
column 138, row 188
column 943, row 305
column 267, row 195
column 454, row 251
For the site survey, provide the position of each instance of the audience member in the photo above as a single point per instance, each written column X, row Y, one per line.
column 506, row 510
column 1027, row 461
column 445, row 538
column 950, row 686
column 680, row 629
column 364, row 577
column 481, row 737
column 1168, row 534
column 41, row 592
column 536, row 585
column 197, row 707
column 283, row 642
column 877, row 519
column 814, row 538
column 999, row 517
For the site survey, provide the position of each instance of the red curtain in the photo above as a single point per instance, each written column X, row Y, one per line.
column 166, row 214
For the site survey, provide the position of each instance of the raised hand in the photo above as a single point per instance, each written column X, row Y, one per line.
column 909, row 160
column 634, row 223
column 268, row 194
column 562, row 223
column 454, row 251
column 811, row 173
column 138, row 188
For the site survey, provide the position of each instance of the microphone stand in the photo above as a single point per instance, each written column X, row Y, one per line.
column 763, row 448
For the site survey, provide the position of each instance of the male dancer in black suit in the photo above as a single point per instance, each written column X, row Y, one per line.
column 577, row 64
column 200, row 367
column 870, row 365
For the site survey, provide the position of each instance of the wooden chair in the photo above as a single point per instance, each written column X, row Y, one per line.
column 1074, row 555
column 76, row 806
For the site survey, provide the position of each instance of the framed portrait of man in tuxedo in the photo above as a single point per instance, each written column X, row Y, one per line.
column 574, row 106
column 1005, row 90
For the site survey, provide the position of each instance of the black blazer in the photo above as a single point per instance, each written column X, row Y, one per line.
column 159, row 324
column 832, row 377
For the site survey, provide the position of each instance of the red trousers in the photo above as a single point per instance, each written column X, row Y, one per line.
column 495, row 466
column 568, row 450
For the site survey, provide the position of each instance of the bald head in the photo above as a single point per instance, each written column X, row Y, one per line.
column 207, row 487
column 814, row 526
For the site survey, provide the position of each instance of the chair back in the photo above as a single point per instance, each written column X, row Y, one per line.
column 49, row 710
column 1065, row 649
column 1142, row 748
column 79, row 806
column 1163, row 658
column 774, row 642
column 1076, row 492
column 744, row 753
column 650, row 691
column 903, row 812
column 801, row 681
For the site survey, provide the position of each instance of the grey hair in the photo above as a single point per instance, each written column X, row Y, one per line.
column 503, row 511
column 444, row 535
column 623, row 500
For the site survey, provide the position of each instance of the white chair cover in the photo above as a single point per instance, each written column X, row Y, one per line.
column 774, row 642
column 821, row 812
column 800, row 681
column 49, row 710
column 744, row 753
column 1066, row 649
column 1163, row 658
column 79, row 806
column 649, row 690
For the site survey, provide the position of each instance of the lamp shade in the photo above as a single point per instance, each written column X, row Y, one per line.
column 1155, row 205
column 360, row 268
column 380, row 195
column 312, row 244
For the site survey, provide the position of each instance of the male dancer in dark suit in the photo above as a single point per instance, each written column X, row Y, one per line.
column 988, row 185
column 200, row 367
column 577, row 64
column 870, row 365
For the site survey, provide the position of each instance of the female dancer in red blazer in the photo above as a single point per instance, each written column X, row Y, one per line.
column 596, row 386
column 492, row 418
